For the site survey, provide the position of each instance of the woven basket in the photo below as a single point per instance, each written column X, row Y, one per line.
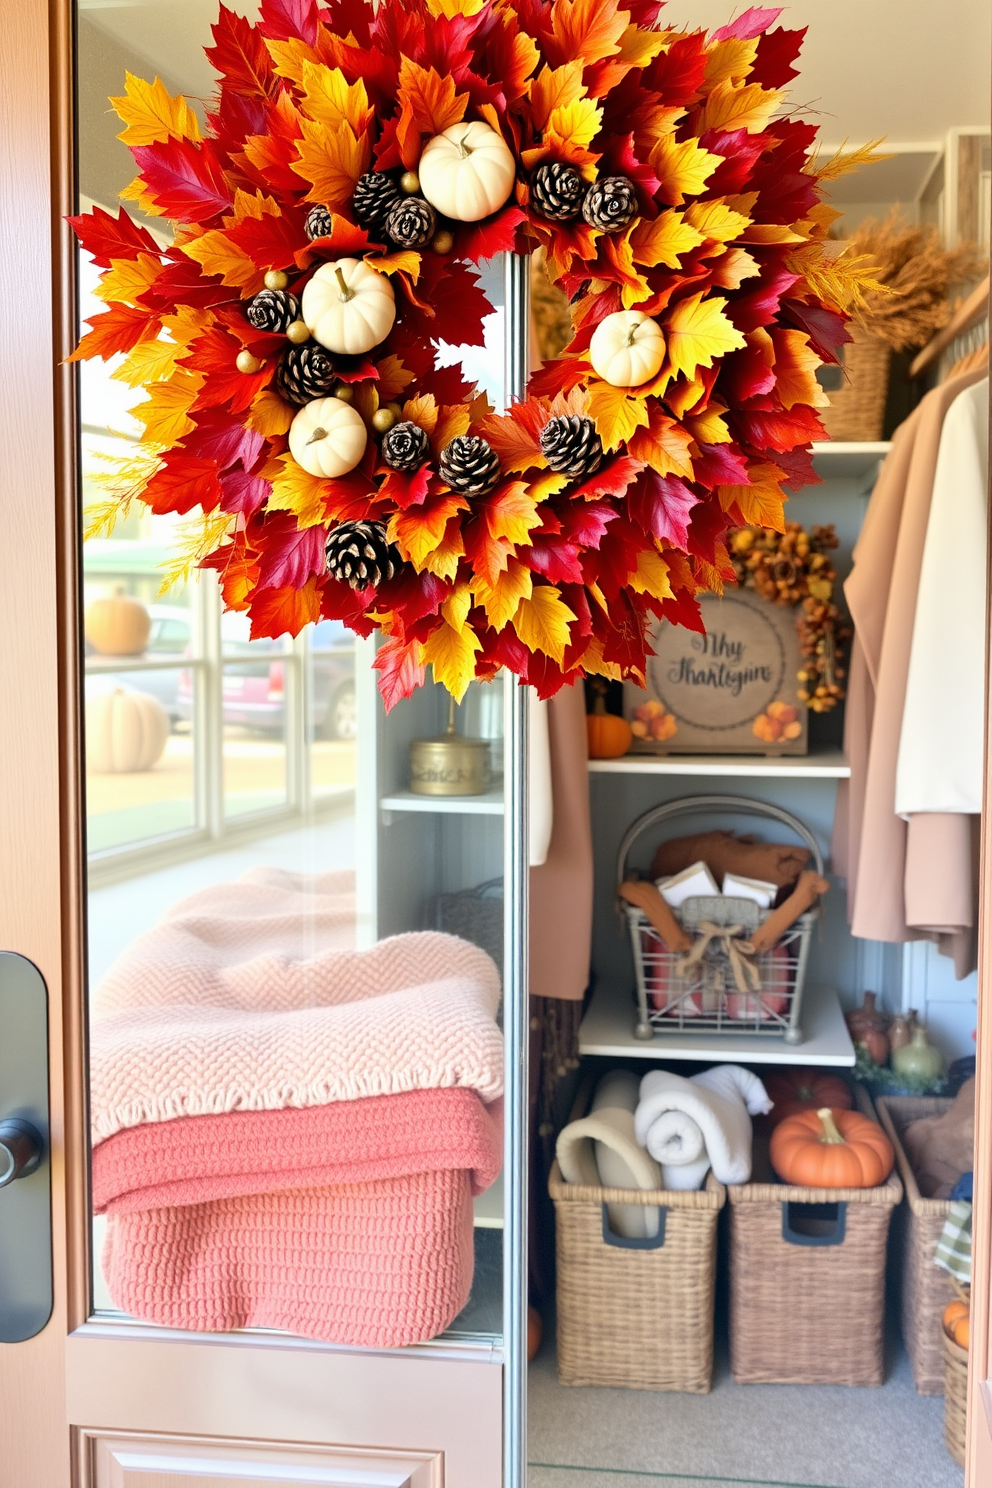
column 807, row 1285
column 636, row 1313
column 924, row 1289
column 857, row 407
column 955, row 1397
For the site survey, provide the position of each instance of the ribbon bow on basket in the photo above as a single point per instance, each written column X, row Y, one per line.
column 716, row 946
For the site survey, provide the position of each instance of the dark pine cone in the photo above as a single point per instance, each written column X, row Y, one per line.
column 305, row 372
column 318, row 223
column 358, row 554
column 375, row 195
column 610, row 204
column 405, row 446
column 469, row 464
column 557, row 191
column 571, row 445
column 273, row 310
column 411, row 223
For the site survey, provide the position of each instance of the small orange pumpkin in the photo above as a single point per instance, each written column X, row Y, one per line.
column 831, row 1149
column 794, row 1090
column 535, row 1329
column 953, row 1313
column 609, row 736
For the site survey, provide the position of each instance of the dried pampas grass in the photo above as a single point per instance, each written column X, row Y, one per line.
column 918, row 274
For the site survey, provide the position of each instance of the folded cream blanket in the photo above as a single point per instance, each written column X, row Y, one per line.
column 248, row 997
column 602, row 1151
column 705, row 1121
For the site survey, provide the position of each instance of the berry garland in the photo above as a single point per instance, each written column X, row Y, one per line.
column 358, row 161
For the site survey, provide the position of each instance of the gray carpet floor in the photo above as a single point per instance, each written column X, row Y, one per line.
column 740, row 1436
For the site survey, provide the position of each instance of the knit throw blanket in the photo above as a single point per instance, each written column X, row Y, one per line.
column 247, row 996
column 349, row 1222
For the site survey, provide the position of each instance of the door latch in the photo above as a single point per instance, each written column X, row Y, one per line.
column 25, row 1169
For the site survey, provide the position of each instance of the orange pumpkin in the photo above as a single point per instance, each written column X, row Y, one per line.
column 535, row 1329
column 953, row 1313
column 794, row 1090
column 609, row 736
column 831, row 1149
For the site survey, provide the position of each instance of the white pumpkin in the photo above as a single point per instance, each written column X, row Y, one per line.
column 327, row 437
column 125, row 732
column 348, row 306
column 627, row 348
column 467, row 172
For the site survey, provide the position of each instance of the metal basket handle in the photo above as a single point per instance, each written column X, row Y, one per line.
column 715, row 805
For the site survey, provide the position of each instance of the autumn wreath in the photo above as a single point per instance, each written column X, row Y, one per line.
column 358, row 161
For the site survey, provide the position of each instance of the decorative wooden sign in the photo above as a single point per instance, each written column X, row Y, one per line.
column 730, row 691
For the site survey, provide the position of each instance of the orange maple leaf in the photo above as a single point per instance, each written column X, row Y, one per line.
column 795, row 369
column 760, row 504
column 435, row 102
column 664, row 445
column 330, row 161
column 588, row 29
column 284, row 610
column 554, row 88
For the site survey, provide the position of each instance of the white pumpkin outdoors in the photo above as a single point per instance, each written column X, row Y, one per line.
column 327, row 437
column 125, row 732
column 467, row 172
column 348, row 306
column 627, row 348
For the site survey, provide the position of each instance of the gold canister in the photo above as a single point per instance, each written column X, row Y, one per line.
column 450, row 765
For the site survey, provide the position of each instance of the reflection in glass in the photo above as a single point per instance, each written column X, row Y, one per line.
column 254, row 714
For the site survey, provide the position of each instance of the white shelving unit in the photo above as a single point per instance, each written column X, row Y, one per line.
column 839, row 460
column 490, row 804
column 608, row 1029
column 828, row 764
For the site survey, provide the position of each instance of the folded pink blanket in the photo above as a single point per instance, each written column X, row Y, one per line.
column 349, row 1223
column 246, row 997
column 199, row 1158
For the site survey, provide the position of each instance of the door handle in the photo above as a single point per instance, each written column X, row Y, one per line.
column 25, row 1168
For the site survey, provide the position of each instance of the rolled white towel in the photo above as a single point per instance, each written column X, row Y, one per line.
column 718, row 1102
column 602, row 1151
column 678, row 1144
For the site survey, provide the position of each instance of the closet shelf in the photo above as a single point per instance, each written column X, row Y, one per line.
column 491, row 804
column 828, row 764
column 608, row 1029
column 848, row 461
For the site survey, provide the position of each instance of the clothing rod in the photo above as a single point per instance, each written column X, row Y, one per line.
column 965, row 316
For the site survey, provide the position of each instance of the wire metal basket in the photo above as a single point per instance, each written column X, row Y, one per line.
column 717, row 988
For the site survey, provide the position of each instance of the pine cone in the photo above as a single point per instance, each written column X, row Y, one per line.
column 405, row 447
column 571, row 445
column 305, row 372
column 318, row 223
column 411, row 223
column 469, row 464
column 610, row 204
column 273, row 310
column 358, row 554
column 556, row 191
column 375, row 194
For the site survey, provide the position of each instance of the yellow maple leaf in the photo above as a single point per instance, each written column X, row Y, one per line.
column 546, row 484
column 403, row 262
column 165, row 412
column 651, row 575
column 717, row 221
column 421, row 410
column 269, row 414
column 452, row 655
column 189, row 322
column 734, row 106
column 290, row 57
column 639, row 47
column 708, row 427
column 152, row 115
column 685, row 396
column 761, row 504
column 770, row 232
column 451, row 8
column 456, row 607
column 554, row 88
column 330, row 161
column 664, row 240
column 512, row 514
column 699, row 332
column 683, row 167
column 254, row 204
column 733, row 267
column 295, row 490
column 617, row 413
column 138, row 192
column 576, row 123
column 634, row 288
column 444, row 559
column 795, row 369
column 393, row 378
column 453, row 421
column 216, row 254
column 542, row 622
column 732, row 58
column 149, row 361
column 128, row 278
column 593, row 663
column 501, row 599
column 328, row 98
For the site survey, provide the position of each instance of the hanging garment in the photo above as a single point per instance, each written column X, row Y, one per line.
column 943, row 723
column 881, row 593
column 539, row 789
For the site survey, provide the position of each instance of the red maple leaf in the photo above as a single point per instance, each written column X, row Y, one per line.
column 105, row 237
column 281, row 20
column 215, row 354
column 498, row 234
column 223, row 438
column 181, row 482
column 243, row 492
column 185, row 180
column 287, row 554
column 720, row 465
column 272, row 240
column 116, row 329
column 661, row 506
column 777, row 50
column 240, row 56
column 750, row 24
column 400, row 668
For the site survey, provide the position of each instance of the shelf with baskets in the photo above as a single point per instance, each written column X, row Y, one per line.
column 609, row 1024
column 827, row 764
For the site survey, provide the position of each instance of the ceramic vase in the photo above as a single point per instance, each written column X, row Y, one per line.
column 918, row 1060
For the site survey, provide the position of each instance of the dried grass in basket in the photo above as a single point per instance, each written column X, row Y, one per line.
column 630, row 1316
column 924, row 1288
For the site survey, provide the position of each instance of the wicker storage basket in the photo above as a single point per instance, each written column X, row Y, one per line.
column 857, row 406
column 924, row 1289
column 807, row 1281
column 636, row 1313
column 955, row 1397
